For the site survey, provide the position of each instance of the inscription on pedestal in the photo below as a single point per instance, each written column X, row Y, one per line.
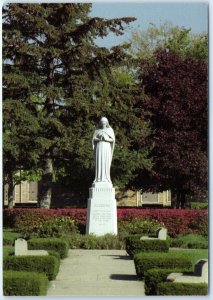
column 102, row 212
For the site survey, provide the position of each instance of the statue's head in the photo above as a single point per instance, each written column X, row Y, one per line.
column 104, row 123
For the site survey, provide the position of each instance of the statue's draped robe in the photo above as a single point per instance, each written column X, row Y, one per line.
column 103, row 151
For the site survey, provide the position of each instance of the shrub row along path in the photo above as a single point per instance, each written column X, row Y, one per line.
column 96, row 273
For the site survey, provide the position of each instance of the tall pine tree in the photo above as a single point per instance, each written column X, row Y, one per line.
column 64, row 81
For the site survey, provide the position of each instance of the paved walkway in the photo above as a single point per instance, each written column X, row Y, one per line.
column 96, row 273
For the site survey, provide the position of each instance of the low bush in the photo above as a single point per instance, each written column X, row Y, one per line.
column 177, row 221
column 135, row 245
column 137, row 226
column 54, row 253
column 155, row 276
column 45, row 226
column 108, row 241
column 57, row 244
column 170, row 260
column 17, row 283
column 181, row 289
column 47, row 264
column 199, row 205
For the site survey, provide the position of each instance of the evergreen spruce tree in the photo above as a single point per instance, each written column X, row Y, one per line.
column 64, row 82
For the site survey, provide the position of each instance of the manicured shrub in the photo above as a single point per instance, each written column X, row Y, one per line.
column 181, row 289
column 47, row 226
column 57, row 244
column 47, row 264
column 54, row 253
column 135, row 245
column 177, row 221
column 137, row 226
column 199, row 225
column 17, row 283
column 170, row 260
column 155, row 276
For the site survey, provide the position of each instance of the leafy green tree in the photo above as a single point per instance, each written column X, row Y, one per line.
column 54, row 69
column 177, row 39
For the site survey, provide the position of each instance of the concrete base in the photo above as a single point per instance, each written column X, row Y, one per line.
column 101, row 209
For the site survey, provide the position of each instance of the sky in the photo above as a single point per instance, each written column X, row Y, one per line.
column 188, row 15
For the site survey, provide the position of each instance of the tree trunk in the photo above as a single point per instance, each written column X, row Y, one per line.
column 10, row 191
column 46, row 185
column 174, row 198
column 183, row 199
column 178, row 201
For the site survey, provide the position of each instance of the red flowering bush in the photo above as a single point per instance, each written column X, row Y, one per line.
column 176, row 221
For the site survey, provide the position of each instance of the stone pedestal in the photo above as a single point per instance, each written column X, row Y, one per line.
column 101, row 209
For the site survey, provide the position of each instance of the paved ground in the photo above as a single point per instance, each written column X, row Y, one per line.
column 96, row 273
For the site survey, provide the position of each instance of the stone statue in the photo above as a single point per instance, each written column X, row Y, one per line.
column 103, row 142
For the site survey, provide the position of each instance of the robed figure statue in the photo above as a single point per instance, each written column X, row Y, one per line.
column 103, row 142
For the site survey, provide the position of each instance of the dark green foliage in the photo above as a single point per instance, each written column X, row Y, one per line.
column 57, row 84
column 56, row 244
column 181, row 289
column 154, row 276
column 135, row 245
column 17, row 283
column 54, row 253
column 42, row 264
column 170, row 260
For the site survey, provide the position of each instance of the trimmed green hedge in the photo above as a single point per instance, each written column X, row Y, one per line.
column 181, row 289
column 56, row 244
column 135, row 245
column 24, row 284
column 155, row 276
column 47, row 264
column 170, row 260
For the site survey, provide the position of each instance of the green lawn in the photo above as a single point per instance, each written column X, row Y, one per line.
column 9, row 236
column 7, row 250
column 193, row 254
column 191, row 241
